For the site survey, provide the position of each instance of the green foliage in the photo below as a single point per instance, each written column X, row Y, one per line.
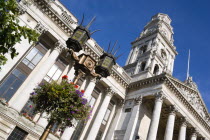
column 10, row 30
column 62, row 101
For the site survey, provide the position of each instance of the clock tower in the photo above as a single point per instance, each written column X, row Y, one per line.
column 153, row 52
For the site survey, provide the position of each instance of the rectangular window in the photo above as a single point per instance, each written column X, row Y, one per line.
column 17, row 134
column 28, row 109
column 55, row 72
column 33, row 58
column 11, row 84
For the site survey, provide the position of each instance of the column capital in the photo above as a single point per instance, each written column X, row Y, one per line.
column 40, row 28
column 159, row 96
column 194, row 132
column 93, row 79
column 183, row 121
column 138, row 100
column 121, row 102
column 172, row 109
column 59, row 46
column 110, row 92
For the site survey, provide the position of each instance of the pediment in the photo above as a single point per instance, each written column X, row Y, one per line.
column 192, row 95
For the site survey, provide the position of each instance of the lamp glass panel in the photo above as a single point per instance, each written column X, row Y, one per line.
column 77, row 35
column 83, row 39
column 107, row 62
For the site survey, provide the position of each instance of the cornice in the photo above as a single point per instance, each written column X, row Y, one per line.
column 52, row 14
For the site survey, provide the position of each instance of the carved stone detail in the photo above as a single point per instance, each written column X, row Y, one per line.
column 172, row 109
column 21, row 9
column 159, row 96
column 110, row 92
column 59, row 46
column 40, row 28
column 138, row 100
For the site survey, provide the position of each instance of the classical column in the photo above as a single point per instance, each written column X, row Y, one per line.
column 109, row 122
column 99, row 118
column 170, row 124
column 182, row 130
column 130, row 131
column 88, row 124
column 129, row 57
column 35, row 77
column 90, row 88
column 43, row 120
column 193, row 136
column 155, row 117
column 68, row 132
column 71, row 72
column 116, row 120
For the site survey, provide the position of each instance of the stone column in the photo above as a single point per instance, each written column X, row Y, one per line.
column 129, row 57
column 155, row 117
column 90, row 88
column 99, row 117
column 193, row 136
column 36, row 77
column 130, row 131
column 182, row 130
column 170, row 124
column 88, row 124
column 71, row 72
column 116, row 120
column 43, row 120
column 68, row 132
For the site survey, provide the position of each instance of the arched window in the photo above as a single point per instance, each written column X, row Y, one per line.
column 143, row 49
column 143, row 64
column 156, row 70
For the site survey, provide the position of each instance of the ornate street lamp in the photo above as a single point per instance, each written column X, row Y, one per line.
column 105, row 65
column 84, row 63
column 80, row 35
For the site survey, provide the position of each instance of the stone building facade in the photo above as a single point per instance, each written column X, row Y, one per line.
column 141, row 101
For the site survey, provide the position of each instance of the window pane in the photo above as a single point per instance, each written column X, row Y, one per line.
column 22, row 76
column 52, row 70
column 12, row 89
column 31, row 66
column 31, row 54
column 16, row 72
column 46, row 78
column 37, row 58
column 29, row 108
column 107, row 115
column 25, row 61
column 11, row 84
column 57, row 75
column 17, row 134
column 92, row 101
column 5, row 85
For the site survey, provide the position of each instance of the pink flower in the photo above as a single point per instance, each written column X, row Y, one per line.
column 30, row 106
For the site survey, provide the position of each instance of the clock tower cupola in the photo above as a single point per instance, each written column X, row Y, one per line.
column 153, row 52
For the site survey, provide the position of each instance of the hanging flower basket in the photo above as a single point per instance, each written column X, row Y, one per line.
column 62, row 101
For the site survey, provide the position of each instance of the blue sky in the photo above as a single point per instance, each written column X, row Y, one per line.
column 123, row 20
